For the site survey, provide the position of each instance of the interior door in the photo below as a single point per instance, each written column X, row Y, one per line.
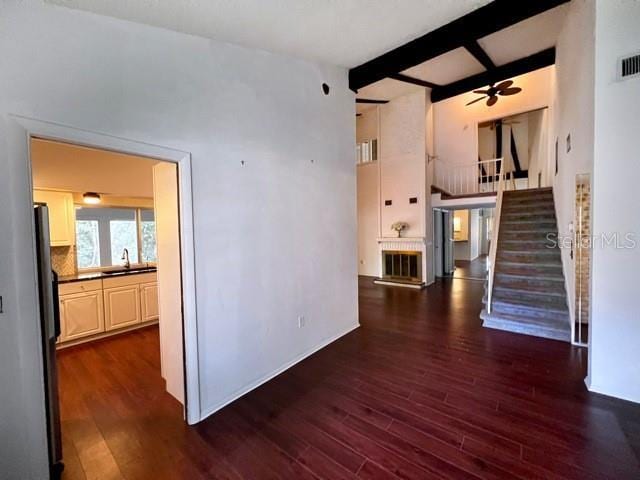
column 165, row 198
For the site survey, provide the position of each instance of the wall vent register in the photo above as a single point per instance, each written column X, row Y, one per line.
column 629, row 66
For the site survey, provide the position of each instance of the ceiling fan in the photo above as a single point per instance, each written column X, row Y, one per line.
column 491, row 93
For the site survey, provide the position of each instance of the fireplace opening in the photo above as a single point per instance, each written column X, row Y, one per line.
column 402, row 266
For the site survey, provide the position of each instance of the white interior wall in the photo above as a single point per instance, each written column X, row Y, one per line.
column 368, row 187
column 429, row 261
column 253, row 122
column 167, row 217
column 474, row 234
column 538, row 144
column 615, row 330
column 572, row 114
column 368, row 219
column 402, row 163
column 404, row 128
column 367, row 125
column 456, row 125
column 486, row 143
column 520, row 133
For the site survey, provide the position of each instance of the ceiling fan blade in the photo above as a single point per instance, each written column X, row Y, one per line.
column 483, row 92
column 492, row 101
column 474, row 101
column 505, row 84
column 510, row 91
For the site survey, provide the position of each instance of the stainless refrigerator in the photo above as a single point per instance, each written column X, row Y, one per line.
column 50, row 331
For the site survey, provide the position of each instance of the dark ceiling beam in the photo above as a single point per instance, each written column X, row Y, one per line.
column 401, row 77
column 481, row 22
column 518, row 67
column 474, row 48
column 371, row 100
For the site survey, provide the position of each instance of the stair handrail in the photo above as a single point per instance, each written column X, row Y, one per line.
column 493, row 249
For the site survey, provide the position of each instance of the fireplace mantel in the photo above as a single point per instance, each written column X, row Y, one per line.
column 403, row 243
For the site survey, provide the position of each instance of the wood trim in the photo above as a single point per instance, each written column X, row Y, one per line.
column 371, row 101
column 19, row 131
column 415, row 81
column 518, row 67
column 481, row 22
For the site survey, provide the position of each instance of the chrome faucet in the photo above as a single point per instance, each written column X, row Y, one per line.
column 125, row 257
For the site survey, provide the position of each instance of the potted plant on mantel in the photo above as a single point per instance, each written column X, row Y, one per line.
column 399, row 227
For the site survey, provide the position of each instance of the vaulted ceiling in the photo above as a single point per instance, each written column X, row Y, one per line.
column 337, row 32
column 467, row 53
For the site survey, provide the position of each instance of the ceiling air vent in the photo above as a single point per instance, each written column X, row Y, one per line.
column 629, row 66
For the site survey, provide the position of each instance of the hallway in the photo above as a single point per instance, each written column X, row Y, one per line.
column 421, row 390
column 473, row 270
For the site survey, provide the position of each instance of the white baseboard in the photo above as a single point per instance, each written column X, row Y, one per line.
column 264, row 379
column 596, row 389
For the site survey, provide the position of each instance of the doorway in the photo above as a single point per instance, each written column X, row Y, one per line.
column 462, row 238
column 443, row 227
column 19, row 131
column 519, row 142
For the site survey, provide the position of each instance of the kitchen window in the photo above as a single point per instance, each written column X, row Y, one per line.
column 102, row 235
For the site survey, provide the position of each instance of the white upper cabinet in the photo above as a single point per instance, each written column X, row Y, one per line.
column 62, row 230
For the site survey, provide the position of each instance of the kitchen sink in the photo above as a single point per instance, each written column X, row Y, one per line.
column 125, row 271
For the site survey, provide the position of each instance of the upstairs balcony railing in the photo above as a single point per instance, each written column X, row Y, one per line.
column 478, row 177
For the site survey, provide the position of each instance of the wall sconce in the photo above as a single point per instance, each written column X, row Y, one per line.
column 91, row 198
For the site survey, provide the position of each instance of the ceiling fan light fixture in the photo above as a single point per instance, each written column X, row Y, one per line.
column 91, row 198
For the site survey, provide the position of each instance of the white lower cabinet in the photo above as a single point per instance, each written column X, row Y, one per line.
column 94, row 307
column 121, row 307
column 149, row 301
column 81, row 314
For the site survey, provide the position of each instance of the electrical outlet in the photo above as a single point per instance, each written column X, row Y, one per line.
column 301, row 321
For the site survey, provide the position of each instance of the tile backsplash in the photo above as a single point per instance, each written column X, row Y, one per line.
column 63, row 260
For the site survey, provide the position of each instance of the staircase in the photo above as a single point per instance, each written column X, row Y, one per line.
column 528, row 287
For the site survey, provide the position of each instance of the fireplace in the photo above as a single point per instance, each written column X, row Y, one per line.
column 402, row 266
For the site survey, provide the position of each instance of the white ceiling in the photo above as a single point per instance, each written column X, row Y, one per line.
column 386, row 89
column 525, row 38
column 63, row 166
column 339, row 32
column 448, row 67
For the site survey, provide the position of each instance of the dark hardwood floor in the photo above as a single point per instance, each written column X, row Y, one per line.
column 474, row 269
column 420, row 391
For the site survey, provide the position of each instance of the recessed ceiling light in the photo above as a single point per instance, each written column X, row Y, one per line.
column 91, row 198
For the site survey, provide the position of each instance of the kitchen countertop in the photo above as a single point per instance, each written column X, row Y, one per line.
column 80, row 277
